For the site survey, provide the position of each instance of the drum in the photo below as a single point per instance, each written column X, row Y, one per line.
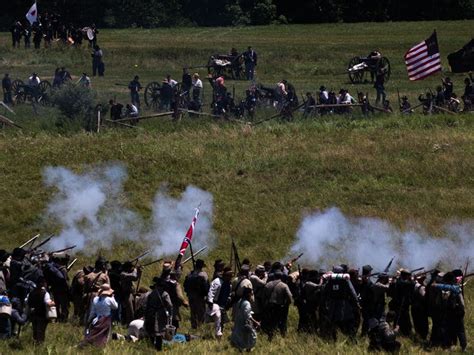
column 90, row 34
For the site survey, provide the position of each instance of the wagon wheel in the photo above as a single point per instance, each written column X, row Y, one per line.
column 44, row 93
column 152, row 95
column 384, row 64
column 356, row 77
column 18, row 91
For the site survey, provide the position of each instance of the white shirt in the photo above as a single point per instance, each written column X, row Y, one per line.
column 102, row 307
column 172, row 82
column 197, row 83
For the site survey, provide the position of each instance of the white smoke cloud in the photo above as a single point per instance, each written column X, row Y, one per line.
column 172, row 218
column 90, row 208
column 329, row 237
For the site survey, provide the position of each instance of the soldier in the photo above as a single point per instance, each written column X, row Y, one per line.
column 401, row 292
column 114, row 277
column 16, row 30
column 166, row 95
column 379, row 86
column 77, row 291
column 448, row 88
column 309, row 105
column 173, row 287
column 186, row 82
column 196, row 286
column 115, row 112
column 338, row 301
column 218, row 299
column 128, row 275
column 4, row 270
column 367, row 298
column 382, row 335
column 93, row 281
column 55, row 272
column 97, row 61
column 37, row 35
column 250, row 60
column 27, row 36
column 468, row 96
column 158, row 312
column 258, row 280
column 7, row 89
column 38, row 301
column 240, row 283
column 380, row 289
column 197, row 89
column 134, row 86
column 419, row 310
column 277, row 300
column 405, row 106
column 312, row 293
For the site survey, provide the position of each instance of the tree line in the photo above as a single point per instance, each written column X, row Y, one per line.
column 169, row 13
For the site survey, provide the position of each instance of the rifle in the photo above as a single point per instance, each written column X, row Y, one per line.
column 388, row 265
column 42, row 243
column 62, row 250
column 195, row 254
column 464, row 276
column 152, row 262
column 140, row 256
column 71, row 264
column 292, row 261
column 416, row 270
column 30, row 241
column 301, row 286
column 234, row 257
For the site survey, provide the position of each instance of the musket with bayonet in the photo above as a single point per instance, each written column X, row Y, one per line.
column 30, row 241
column 387, row 268
column 195, row 254
column 295, row 259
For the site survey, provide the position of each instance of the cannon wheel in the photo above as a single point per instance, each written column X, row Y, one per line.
column 384, row 64
column 152, row 95
column 44, row 93
column 18, row 90
column 358, row 76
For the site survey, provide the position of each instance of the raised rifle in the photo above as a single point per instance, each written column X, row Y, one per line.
column 234, row 257
column 195, row 254
column 30, row 241
column 416, row 270
column 292, row 261
column 388, row 265
column 152, row 262
column 42, row 243
column 135, row 260
column 62, row 250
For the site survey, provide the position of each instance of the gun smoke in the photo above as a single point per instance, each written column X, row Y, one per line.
column 91, row 210
column 329, row 237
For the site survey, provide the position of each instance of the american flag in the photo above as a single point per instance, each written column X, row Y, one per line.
column 423, row 59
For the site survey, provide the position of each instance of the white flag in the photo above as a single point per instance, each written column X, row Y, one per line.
column 32, row 14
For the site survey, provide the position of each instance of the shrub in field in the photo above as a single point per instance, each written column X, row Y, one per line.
column 77, row 105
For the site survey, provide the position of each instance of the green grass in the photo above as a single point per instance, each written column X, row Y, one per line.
column 264, row 179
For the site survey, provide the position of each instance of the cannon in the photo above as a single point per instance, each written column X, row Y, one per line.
column 23, row 92
column 359, row 66
column 228, row 66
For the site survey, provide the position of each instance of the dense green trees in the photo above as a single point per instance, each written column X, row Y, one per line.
column 158, row 13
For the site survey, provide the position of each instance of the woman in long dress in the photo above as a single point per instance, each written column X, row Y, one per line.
column 244, row 334
column 100, row 317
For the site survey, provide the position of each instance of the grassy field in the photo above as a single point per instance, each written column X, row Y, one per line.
column 264, row 179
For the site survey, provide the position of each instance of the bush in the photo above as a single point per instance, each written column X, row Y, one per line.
column 76, row 103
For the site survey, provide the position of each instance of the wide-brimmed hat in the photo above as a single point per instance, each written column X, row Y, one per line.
column 106, row 290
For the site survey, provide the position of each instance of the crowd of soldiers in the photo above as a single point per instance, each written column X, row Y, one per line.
column 50, row 28
column 257, row 299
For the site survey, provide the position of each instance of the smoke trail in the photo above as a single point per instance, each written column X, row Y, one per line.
column 90, row 208
column 329, row 237
column 172, row 217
